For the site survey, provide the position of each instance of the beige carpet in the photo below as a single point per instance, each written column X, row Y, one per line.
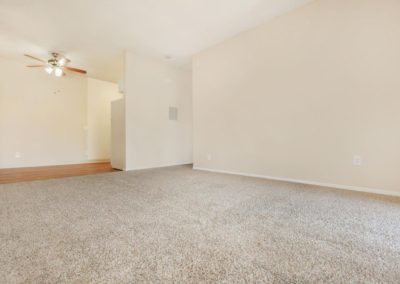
column 184, row 226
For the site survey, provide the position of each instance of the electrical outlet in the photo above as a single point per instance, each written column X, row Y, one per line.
column 209, row 157
column 357, row 160
column 17, row 155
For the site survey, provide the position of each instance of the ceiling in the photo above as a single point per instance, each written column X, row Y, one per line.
column 94, row 33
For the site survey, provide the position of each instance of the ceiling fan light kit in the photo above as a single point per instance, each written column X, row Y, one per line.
column 56, row 65
column 57, row 71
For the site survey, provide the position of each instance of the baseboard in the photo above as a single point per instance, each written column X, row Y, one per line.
column 160, row 166
column 322, row 184
column 58, row 164
column 98, row 161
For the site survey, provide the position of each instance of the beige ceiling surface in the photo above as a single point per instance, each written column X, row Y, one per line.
column 94, row 33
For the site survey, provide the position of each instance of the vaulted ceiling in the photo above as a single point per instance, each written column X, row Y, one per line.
column 94, row 33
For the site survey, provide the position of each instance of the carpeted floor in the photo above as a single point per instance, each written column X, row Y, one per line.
column 184, row 226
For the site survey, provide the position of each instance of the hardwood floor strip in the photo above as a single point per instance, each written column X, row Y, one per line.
column 51, row 172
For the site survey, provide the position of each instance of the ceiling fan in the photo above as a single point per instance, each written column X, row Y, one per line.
column 56, row 65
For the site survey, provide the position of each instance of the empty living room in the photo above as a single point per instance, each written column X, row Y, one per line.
column 200, row 141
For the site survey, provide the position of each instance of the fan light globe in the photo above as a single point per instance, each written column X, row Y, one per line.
column 58, row 72
column 62, row 61
column 49, row 70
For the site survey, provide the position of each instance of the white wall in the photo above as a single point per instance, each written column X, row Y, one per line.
column 100, row 95
column 151, row 87
column 298, row 97
column 41, row 117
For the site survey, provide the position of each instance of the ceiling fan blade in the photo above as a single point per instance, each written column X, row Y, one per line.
column 32, row 57
column 75, row 70
column 36, row 66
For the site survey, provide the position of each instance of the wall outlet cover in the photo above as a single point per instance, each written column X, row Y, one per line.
column 357, row 160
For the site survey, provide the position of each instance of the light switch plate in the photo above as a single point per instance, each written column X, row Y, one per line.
column 173, row 113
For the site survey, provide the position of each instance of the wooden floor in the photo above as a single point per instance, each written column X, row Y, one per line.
column 50, row 172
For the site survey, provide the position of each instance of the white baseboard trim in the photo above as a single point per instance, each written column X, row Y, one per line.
column 160, row 166
column 57, row 164
column 322, row 184
column 95, row 161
